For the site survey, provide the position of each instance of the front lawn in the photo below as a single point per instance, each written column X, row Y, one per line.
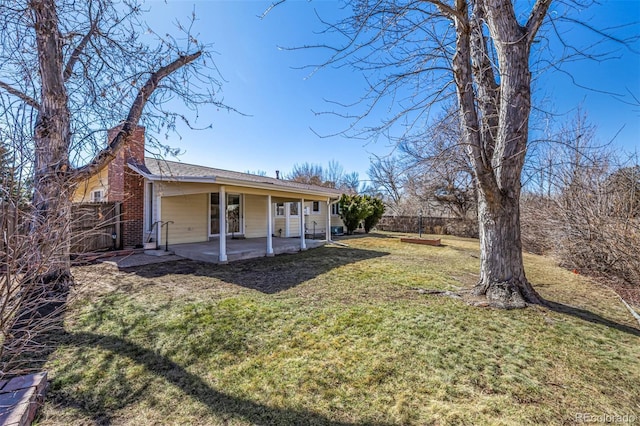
column 336, row 336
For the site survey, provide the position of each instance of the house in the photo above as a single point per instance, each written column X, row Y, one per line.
column 200, row 204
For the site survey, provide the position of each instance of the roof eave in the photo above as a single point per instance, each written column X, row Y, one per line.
column 276, row 187
column 165, row 178
column 235, row 182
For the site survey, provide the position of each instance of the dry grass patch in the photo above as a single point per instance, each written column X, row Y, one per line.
column 336, row 336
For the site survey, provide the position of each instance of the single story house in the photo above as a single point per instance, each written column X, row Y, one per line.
column 200, row 203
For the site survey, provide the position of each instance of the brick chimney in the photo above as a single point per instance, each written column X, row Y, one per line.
column 127, row 186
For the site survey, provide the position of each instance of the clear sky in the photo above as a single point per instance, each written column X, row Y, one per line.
column 279, row 100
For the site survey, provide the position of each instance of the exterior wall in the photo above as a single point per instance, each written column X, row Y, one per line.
column 97, row 182
column 170, row 189
column 119, row 183
column 255, row 216
column 131, row 152
column 336, row 221
column 133, row 209
column 279, row 223
column 189, row 214
column 294, row 226
column 320, row 217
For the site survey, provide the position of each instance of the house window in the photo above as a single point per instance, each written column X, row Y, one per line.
column 335, row 209
column 96, row 196
column 280, row 209
column 315, row 207
column 293, row 209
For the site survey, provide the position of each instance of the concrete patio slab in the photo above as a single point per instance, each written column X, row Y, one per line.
column 208, row 251
column 241, row 248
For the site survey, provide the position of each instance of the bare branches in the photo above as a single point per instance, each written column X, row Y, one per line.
column 80, row 68
column 536, row 17
column 17, row 93
column 77, row 51
column 133, row 117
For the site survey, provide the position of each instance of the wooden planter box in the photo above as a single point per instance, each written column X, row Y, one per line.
column 421, row 241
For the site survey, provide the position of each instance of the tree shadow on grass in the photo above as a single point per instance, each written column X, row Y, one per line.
column 269, row 275
column 226, row 406
column 589, row 316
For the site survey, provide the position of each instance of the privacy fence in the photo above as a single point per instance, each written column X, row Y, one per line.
column 93, row 226
column 430, row 225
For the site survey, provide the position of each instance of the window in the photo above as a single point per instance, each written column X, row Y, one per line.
column 335, row 209
column 315, row 207
column 96, row 196
column 280, row 209
column 293, row 209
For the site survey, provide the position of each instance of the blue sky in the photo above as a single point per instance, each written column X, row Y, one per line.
column 279, row 100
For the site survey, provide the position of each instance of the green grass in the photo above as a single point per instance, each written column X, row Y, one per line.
column 338, row 336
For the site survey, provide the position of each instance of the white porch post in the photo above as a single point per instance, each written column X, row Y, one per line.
column 158, row 217
column 327, row 230
column 287, row 219
column 303, row 244
column 223, row 225
column 269, row 227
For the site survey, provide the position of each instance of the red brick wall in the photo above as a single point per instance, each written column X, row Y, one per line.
column 115, row 178
column 132, row 209
column 127, row 186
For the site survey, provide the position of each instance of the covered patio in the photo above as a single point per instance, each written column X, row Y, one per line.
column 238, row 249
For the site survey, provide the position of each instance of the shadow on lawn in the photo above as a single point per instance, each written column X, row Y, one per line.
column 591, row 317
column 227, row 406
column 268, row 275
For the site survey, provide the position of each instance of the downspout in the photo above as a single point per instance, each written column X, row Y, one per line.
column 329, row 204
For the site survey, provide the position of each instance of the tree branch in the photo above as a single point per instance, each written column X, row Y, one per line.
column 68, row 69
column 135, row 112
column 536, row 18
column 21, row 95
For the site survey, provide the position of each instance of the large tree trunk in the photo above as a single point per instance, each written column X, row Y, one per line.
column 502, row 276
column 495, row 123
column 51, row 199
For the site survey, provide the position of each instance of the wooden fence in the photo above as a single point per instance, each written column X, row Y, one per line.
column 430, row 225
column 94, row 225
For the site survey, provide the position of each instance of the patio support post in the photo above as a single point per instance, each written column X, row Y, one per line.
column 328, row 227
column 269, row 227
column 223, row 225
column 303, row 244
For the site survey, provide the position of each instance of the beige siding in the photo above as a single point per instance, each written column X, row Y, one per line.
column 320, row 218
column 189, row 214
column 279, row 223
column 97, row 182
column 255, row 216
column 294, row 226
column 168, row 189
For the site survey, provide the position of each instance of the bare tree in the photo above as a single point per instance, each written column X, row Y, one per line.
column 76, row 69
column 350, row 183
column 333, row 176
column 440, row 169
column 387, row 176
column 417, row 53
column 581, row 206
column 311, row 174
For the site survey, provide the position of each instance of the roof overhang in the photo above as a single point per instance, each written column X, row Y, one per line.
column 233, row 182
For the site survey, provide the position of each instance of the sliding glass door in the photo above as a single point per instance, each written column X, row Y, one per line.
column 234, row 214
